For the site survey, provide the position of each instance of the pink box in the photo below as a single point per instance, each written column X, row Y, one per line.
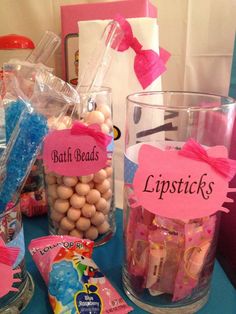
column 71, row 14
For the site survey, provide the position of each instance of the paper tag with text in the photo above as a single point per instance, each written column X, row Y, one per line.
column 174, row 186
column 73, row 155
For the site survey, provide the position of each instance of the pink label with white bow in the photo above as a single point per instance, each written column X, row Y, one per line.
column 76, row 152
column 185, row 184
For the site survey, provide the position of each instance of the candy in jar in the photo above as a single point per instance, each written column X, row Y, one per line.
column 79, row 173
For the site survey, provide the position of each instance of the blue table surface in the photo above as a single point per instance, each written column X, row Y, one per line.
column 109, row 258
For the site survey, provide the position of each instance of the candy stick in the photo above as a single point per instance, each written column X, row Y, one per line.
column 20, row 153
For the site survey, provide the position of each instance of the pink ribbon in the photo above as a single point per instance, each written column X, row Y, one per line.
column 8, row 255
column 148, row 65
column 93, row 130
column 225, row 166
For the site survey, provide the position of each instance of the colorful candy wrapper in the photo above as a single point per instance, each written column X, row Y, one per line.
column 75, row 283
column 198, row 240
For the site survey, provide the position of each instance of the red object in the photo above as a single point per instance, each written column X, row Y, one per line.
column 13, row 41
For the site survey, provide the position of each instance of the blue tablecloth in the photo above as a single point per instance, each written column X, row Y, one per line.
column 109, row 258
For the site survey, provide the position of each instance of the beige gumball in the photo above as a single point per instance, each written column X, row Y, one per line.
column 55, row 216
column 105, row 110
column 103, row 187
column 88, row 210
column 64, row 192
column 59, row 180
column 52, row 190
column 107, row 195
column 83, row 224
column 98, row 219
column 109, row 171
column 62, row 231
column 61, row 205
column 76, row 233
column 82, row 189
column 93, row 196
column 77, row 201
column 74, row 213
column 86, row 179
column 108, row 122
column 91, row 233
column 101, row 204
column 105, row 128
column 91, row 184
column 50, row 179
column 104, row 227
column 67, row 224
column 95, row 117
column 100, row 176
column 70, row 181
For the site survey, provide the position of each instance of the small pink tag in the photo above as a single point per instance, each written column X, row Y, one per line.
column 174, row 186
column 73, row 155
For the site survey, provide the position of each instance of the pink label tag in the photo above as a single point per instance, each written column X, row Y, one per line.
column 175, row 186
column 72, row 154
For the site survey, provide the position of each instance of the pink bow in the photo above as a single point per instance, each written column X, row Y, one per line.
column 148, row 65
column 93, row 130
column 8, row 255
column 225, row 166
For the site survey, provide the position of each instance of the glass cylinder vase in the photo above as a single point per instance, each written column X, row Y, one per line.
column 83, row 205
column 16, row 285
column 170, row 235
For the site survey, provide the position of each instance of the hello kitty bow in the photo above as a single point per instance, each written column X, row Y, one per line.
column 225, row 166
column 93, row 130
column 148, row 64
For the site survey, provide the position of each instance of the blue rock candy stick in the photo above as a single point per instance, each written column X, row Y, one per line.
column 32, row 129
column 12, row 114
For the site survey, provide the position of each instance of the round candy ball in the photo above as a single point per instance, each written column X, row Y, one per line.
column 55, row 216
column 107, row 195
column 59, row 180
column 103, row 228
column 61, row 205
column 91, row 233
column 77, row 201
column 105, row 110
column 67, row 224
column 62, row 231
column 50, row 179
column 101, row 204
column 86, row 179
column 70, row 181
column 103, row 187
column 100, row 176
column 83, row 224
column 76, row 233
column 98, row 219
column 93, row 196
column 105, row 128
column 73, row 213
column 95, row 117
column 52, row 190
column 64, row 192
column 109, row 171
column 88, row 210
column 82, row 188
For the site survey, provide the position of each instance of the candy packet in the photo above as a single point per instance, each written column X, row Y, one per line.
column 75, row 283
column 198, row 240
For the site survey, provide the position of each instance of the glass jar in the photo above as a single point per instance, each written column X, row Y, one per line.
column 163, row 272
column 16, row 285
column 83, row 205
